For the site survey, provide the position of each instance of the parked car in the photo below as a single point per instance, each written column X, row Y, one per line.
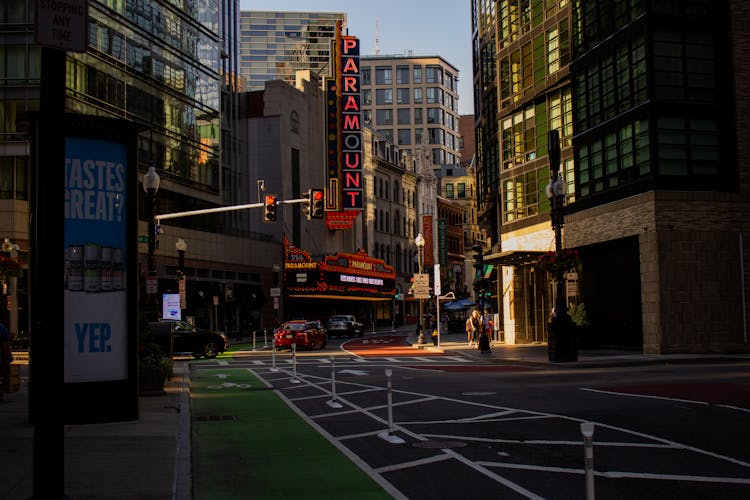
column 187, row 338
column 344, row 324
column 306, row 334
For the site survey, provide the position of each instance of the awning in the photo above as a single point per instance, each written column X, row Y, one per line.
column 513, row 258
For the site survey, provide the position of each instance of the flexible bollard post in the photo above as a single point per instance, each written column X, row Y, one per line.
column 253, row 341
column 587, row 429
column 333, row 379
column 295, row 380
column 265, row 336
column 388, row 373
column 273, row 359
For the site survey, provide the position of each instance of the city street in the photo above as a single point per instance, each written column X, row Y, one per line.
column 472, row 429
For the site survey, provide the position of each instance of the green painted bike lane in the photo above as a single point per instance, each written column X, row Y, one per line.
column 248, row 443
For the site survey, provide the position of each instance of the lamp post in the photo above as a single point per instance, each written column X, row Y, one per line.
column 419, row 241
column 11, row 249
column 561, row 342
column 151, row 186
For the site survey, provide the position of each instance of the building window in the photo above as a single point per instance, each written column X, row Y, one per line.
column 404, row 116
column 417, row 116
column 13, row 176
column 384, row 117
column 402, row 96
column 402, row 75
column 462, row 190
column 449, row 191
column 384, row 96
column 404, row 136
column 523, row 195
column 383, row 75
column 434, row 95
column 417, row 74
column 435, row 116
column 366, row 76
column 418, row 95
column 367, row 97
column 434, row 74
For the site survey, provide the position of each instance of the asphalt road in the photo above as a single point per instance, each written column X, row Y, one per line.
column 459, row 429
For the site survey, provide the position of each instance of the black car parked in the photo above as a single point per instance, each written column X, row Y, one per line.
column 187, row 338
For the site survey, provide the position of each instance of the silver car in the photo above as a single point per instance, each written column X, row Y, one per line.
column 344, row 324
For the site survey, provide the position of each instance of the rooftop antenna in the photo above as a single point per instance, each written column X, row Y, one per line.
column 377, row 37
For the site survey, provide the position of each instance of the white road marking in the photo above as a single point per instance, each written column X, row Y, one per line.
column 647, row 396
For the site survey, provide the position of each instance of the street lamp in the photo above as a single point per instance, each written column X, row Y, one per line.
column 11, row 249
column 561, row 342
column 419, row 241
column 151, row 186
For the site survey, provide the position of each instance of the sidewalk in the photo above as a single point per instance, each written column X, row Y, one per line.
column 151, row 458
column 148, row 458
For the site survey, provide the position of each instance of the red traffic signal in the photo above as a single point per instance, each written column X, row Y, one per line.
column 269, row 208
column 317, row 200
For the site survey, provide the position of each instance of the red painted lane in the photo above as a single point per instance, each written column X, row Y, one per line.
column 386, row 346
column 475, row 368
column 709, row 392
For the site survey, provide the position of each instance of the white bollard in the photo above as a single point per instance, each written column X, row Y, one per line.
column 333, row 379
column 388, row 373
column 295, row 380
column 587, row 429
column 273, row 359
column 253, row 341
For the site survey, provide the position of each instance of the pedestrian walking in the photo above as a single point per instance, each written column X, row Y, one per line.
column 473, row 326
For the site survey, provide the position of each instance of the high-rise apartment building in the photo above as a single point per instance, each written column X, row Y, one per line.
column 275, row 45
column 413, row 101
column 648, row 100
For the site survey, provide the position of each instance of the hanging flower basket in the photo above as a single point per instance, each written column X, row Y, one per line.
column 10, row 268
column 555, row 264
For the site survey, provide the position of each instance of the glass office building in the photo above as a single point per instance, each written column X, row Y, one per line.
column 274, row 45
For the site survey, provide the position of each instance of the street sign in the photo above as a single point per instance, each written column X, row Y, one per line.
column 62, row 25
column 421, row 286
column 142, row 238
column 276, row 292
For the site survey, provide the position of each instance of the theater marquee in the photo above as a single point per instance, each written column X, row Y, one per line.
column 344, row 276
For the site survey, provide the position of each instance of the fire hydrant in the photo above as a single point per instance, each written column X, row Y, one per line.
column 434, row 337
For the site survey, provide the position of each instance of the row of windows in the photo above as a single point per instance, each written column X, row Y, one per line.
column 530, row 65
column 14, row 173
column 403, row 261
column 407, row 74
column 621, row 155
column 612, row 84
column 457, row 190
column 382, row 191
column 435, row 116
column 406, row 95
column 520, row 16
column 524, row 133
column 400, row 226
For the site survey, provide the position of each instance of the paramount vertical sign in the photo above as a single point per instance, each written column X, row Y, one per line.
column 345, row 194
column 351, row 126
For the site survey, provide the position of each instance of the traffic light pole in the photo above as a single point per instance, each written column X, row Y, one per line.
column 177, row 215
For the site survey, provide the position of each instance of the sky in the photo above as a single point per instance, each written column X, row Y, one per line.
column 426, row 27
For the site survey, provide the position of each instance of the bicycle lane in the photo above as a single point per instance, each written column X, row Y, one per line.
column 450, row 447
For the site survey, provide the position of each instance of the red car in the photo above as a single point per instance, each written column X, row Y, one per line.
column 306, row 334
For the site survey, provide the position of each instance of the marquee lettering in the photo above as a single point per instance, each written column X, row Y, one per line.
column 352, row 160
column 351, row 122
column 350, row 104
column 353, row 179
column 349, row 44
column 350, row 66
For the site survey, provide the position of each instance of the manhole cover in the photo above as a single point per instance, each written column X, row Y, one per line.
column 439, row 445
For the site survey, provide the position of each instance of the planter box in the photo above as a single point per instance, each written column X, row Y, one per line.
column 151, row 383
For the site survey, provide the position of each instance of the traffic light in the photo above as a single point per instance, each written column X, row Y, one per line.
column 307, row 204
column 269, row 208
column 478, row 259
column 317, row 198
